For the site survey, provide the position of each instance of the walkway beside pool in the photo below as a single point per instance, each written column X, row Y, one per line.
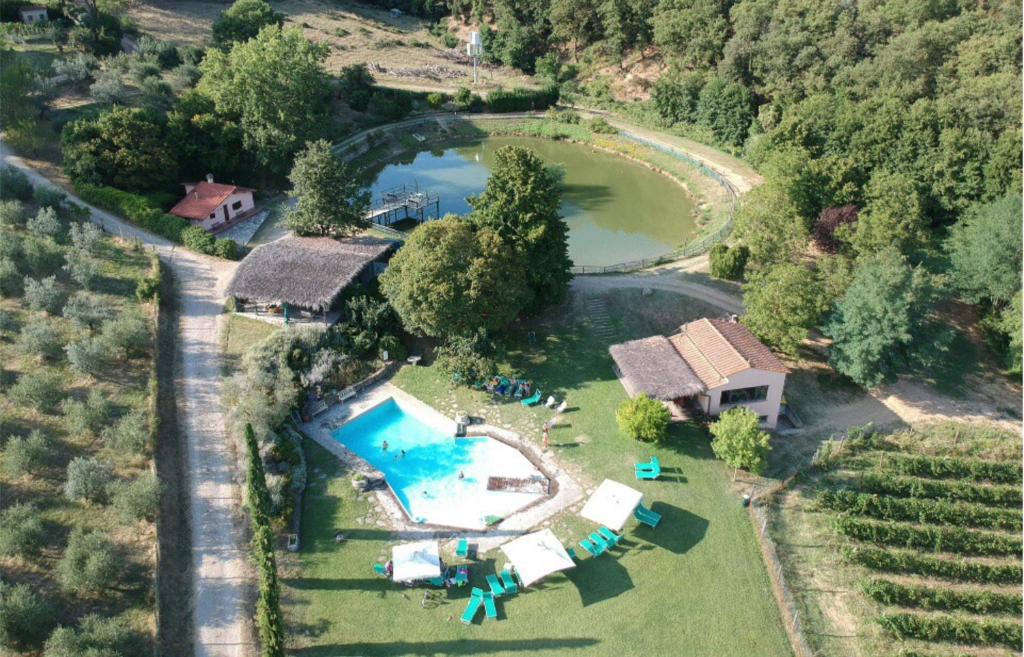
column 567, row 490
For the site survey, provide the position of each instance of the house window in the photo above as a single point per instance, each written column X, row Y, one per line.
column 213, row 215
column 237, row 205
column 763, row 419
column 743, row 395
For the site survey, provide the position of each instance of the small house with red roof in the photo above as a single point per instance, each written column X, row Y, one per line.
column 212, row 205
column 710, row 364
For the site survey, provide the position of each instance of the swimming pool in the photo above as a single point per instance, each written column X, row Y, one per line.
column 423, row 462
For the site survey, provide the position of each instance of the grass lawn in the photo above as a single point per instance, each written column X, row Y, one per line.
column 241, row 333
column 696, row 585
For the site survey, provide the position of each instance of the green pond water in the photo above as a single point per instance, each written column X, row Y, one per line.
column 616, row 210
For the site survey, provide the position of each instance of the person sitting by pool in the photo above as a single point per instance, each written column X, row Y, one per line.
column 462, row 475
column 389, row 568
column 384, row 445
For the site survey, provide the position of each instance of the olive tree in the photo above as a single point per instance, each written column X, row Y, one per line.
column 87, row 479
column 90, row 565
column 21, row 531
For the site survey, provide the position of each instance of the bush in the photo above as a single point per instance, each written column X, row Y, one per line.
column 522, row 100
column 128, row 336
column 467, row 359
column 88, row 417
column 728, row 264
column 643, row 418
column 129, row 435
column 45, row 223
column 601, row 127
column 46, row 196
column 937, row 467
column 738, row 439
column 25, row 618
column 14, row 184
column 911, row 563
column 135, row 208
column 874, row 482
column 925, row 597
column 939, row 512
column 90, row 564
column 86, row 237
column 198, row 239
column 85, row 310
column 96, row 637
column 42, row 294
column 82, row 268
column 12, row 213
column 89, row 356
column 87, row 480
column 27, row 456
column 21, row 531
column 926, row 537
column 10, row 278
column 41, row 339
column 39, row 389
column 952, row 630
column 79, row 67
column 435, row 100
column 227, row 249
column 138, row 499
column 43, row 257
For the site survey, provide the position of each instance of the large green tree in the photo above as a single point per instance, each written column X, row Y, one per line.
column 893, row 216
column 521, row 204
column 985, row 251
column 739, row 441
column 576, row 22
column 276, row 87
column 331, row 200
column 693, row 30
column 879, row 327
column 769, row 224
column 243, row 20
column 124, row 147
column 207, row 142
column 452, row 280
column 783, row 304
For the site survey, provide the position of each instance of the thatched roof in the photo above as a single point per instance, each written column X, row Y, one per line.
column 653, row 366
column 306, row 272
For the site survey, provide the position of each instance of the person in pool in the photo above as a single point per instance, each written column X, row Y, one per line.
column 384, row 445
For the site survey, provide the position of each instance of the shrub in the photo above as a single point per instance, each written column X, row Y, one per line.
column 86, row 237
column 10, row 278
column 128, row 335
column 41, row 339
column 25, row 618
column 21, row 531
column 952, row 630
column 938, row 467
column 89, row 356
column 198, row 239
column 925, row 597
column 87, row 480
column 601, row 127
column 728, row 263
column 90, row 564
column 42, row 294
column 522, row 100
column 82, row 268
column 911, row 563
column 738, row 439
column 14, row 184
column 940, row 512
column 643, row 418
column 147, row 288
column 85, row 310
column 88, row 417
column 926, row 537
column 12, row 213
column 129, row 435
column 468, row 359
column 27, row 456
column 46, row 196
column 435, row 100
column 79, row 67
column 135, row 208
column 42, row 256
column 8, row 322
column 875, row 482
column 138, row 499
column 163, row 52
column 227, row 249
column 39, row 389
column 108, row 88
column 96, row 636
column 45, row 223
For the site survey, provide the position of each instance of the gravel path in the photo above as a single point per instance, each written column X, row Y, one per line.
column 220, row 568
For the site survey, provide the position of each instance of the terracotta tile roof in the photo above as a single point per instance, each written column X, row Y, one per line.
column 715, row 349
column 203, row 199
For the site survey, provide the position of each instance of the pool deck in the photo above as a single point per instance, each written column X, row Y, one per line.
column 567, row 492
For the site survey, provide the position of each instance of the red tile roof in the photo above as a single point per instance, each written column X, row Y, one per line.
column 204, row 199
column 716, row 349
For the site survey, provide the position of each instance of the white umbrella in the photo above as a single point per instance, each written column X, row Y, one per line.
column 611, row 504
column 415, row 561
column 536, row 555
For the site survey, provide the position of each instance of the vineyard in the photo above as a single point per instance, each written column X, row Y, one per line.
column 920, row 543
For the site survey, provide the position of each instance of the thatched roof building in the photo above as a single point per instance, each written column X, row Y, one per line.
column 653, row 366
column 306, row 272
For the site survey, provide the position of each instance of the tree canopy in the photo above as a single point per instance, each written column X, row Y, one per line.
column 738, row 439
column 331, row 200
column 985, row 251
column 243, row 20
column 783, row 303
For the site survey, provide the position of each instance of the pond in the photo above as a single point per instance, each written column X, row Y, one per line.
column 617, row 210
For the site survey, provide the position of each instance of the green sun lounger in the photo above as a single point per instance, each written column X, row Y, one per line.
column 646, row 516
column 462, row 576
column 571, row 551
column 594, row 550
column 600, row 542
column 476, row 598
column 380, row 569
column 532, row 399
column 496, row 587
column 463, row 548
column 489, row 609
column 509, row 582
column 610, row 536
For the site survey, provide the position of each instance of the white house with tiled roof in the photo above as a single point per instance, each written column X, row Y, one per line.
column 715, row 364
column 212, row 205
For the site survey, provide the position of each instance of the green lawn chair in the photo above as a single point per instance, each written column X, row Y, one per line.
column 490, row 610
column 476, row 598
column 462, row 550
column 571, row 551
column 380, row 569
column 650, row 470
column 610, row 536
column 594, row 550
column 532, row 399
column 462, row 576
column 646, row 516
column 509, row 582
column 496, row 587
column 437, row 581
column 600, row 542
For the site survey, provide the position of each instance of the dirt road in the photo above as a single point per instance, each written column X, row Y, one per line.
column 219, row 547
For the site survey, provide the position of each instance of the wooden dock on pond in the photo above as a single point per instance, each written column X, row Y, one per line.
column 404, row 202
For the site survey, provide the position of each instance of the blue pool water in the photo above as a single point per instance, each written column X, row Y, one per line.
column 426, row 479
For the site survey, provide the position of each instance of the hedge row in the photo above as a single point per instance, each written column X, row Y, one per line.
column 874, row 482
column 953, row 630
column 140, row 211
column 522, row 100
column 269, row 620
column 948, row 539
column 938, row 467
column 926, row 597
column 909, row 563
column 939, row 512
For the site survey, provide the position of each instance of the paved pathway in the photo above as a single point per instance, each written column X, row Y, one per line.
column 219, row 547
